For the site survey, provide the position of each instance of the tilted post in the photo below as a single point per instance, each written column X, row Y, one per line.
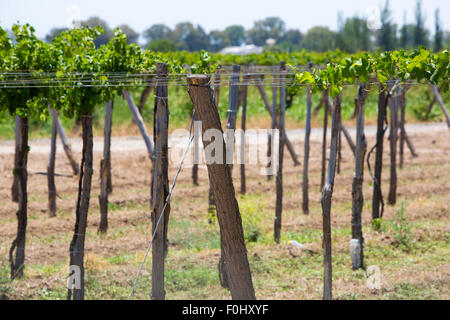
column 228, row 215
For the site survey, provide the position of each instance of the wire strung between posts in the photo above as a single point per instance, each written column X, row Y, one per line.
column 191, row 139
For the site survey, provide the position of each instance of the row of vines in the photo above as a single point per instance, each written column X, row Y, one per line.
column 71, row 77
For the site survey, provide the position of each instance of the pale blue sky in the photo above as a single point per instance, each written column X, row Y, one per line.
column 139, row 14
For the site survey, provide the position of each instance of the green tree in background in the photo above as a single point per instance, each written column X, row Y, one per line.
column 132, row 35
column 438, row 34
column 387, row 35
column 420, row 33
column 218, row 40
column 236, row 34
column 406, row 39
column 319, row 39
column 157, row 32
column 94, row 22
column 162, row 45
column 188, row 37
column 53, row 33
column 353, row 35
column 269, row 28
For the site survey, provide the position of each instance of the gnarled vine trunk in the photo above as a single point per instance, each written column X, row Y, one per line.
column 17, row 251
column 76, row 291
column 327, row 194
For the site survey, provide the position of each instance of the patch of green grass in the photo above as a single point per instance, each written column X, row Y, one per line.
column 52, row 294
column 189, row 276
column 5, row 287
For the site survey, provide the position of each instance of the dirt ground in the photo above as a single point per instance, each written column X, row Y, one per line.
column 415, row 267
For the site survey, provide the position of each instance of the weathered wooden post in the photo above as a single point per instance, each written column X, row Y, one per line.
column 243, row 127
column 339, row 141
column 274, row 117
column 358, row 178
column 279, row 182
column 305, row 203
column 228, row 215
column 160, row 185
column 105, row 169
column 327, row 194
column 327, row 109
column 402, row 105
column 51, row 166
column 393, row 114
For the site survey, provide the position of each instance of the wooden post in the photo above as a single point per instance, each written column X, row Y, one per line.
column 327, row 194
column 274, row 117
column 339, row 142
column 441, row 104
column 402, row 123
column 196, row 160
column 67, row 148
column 324, row 137
column 82, row 208
column 51, row 166
column 17, row 251
column 105, row 169
column 358, row 177
column 279, row 182
column 243, row 127
column 228, row 215
column 232, row 113
column 140, row 123
column 305, row 203
column 393, row 104
column 377, row 199
column 160, row 189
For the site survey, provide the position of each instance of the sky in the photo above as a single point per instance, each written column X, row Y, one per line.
column 210, row 14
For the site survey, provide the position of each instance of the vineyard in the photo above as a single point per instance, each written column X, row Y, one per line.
column 334, row 208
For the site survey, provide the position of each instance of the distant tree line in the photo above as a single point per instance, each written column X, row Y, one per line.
column 353, row 35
